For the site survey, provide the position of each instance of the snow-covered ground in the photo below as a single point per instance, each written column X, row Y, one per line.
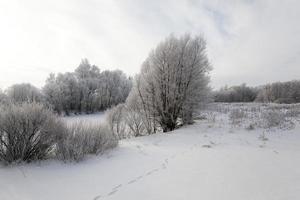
column 210, row 160
column 85, row 118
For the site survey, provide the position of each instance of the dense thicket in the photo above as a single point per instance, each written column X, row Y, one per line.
column 241, row 93
column 172, row 84
column 87, row 89
column 24, row 92
column 280, row 92
column 81, row 139
column 28, row 132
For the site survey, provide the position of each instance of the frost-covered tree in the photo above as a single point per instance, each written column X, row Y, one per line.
column 53, row 93
column 88, row 77
column 174, row 80
column 24, row 92
column 87, row 89
column 114, row 88
column 62, row 92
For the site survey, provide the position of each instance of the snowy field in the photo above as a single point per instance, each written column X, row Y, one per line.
column 232, row 152
column 85, row 118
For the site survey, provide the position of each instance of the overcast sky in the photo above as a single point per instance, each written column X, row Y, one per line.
column 249, row 41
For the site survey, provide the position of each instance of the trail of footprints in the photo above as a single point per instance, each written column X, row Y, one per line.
column 163, row 166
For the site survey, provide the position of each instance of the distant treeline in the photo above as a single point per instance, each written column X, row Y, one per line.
column 84, row 90
column 278, row 92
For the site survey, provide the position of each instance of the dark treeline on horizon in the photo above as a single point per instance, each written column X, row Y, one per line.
column 277, row 92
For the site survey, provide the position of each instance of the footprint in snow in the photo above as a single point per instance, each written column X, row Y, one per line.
column 152, row 171
column 112, row 192
column 132, row 181
column 118, row 186
column 139, row 177
column 166, row 160
column 97, row 197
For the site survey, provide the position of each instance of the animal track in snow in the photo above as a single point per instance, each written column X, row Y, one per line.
column 112, row 192
column 118, row 186
column 132, row 181
column 166, row 160
column 97, row 197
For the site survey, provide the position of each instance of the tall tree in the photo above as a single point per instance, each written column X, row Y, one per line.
column 174, row 80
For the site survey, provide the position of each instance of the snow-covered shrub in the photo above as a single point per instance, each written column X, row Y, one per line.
column 209, row 116
column 250, row 127
column 27, row 132
column 116, row 121
column 236, row 116
column 82, row 139
column 273, row 118
column 294, row 112
column 125, row 121
column 263, row 137
column 137, row 123
column 276, row 118
column 25, row 92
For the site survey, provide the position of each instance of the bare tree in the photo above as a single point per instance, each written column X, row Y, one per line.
column 174, row 80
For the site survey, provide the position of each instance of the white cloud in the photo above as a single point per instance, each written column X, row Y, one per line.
column 248, row 41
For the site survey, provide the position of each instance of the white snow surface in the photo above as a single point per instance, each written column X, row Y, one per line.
column 85, row 118
column 207, row 160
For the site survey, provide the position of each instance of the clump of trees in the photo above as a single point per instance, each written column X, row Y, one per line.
column 280, row 92
column 172, row 85
column 24, row 92
column 87, row 89
column 240, row 93
column 29, row 130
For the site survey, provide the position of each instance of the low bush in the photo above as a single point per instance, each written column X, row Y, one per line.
column 236, row 116
column 28, row 132
column 116, row 122
column 273, row 118
column 83, row 139
column 126, row 121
